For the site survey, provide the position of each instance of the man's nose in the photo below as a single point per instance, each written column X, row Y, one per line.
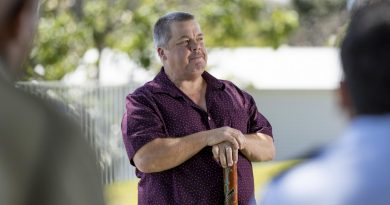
column 194, row 45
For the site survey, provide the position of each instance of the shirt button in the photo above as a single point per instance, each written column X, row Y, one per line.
column 209, row 118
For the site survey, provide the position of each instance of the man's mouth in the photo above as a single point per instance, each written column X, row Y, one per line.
column 195, row 57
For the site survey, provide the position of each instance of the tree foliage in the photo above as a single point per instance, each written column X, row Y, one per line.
column 68, row 28
column 321, row 21
column 310, row 8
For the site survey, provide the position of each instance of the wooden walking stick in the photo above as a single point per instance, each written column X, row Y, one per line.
column 230, row 185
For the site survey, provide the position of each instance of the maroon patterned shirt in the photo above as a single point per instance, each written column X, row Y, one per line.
column 160, row 109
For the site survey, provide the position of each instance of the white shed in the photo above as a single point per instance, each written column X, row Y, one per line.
column 295, row 88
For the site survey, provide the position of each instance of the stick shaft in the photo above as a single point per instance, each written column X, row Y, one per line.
column 230, row 185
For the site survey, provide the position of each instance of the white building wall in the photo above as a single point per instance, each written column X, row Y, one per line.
column 302, row 119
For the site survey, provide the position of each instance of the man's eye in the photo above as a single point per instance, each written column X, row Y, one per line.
column 186, row 42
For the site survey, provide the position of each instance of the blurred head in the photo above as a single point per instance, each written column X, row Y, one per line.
column 354, row 5
column 180, row 45
column 18, row 20
column 365, row 55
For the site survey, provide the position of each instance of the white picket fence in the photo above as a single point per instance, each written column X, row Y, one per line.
column 100, row 110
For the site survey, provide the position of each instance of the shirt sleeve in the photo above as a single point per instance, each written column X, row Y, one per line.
column 141, row 123
column 257, row 122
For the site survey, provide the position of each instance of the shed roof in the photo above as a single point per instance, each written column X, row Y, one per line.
column 284, row 68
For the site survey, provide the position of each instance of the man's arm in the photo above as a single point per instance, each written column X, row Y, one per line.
column 258, row 147
column 165, row 153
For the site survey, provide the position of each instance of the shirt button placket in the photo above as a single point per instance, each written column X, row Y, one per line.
column 211, row 122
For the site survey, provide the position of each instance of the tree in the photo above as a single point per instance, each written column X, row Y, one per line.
column 247, row 23
column 68, row 28
column 321, row 21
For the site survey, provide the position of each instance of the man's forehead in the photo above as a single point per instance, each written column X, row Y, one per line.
column 185, row 27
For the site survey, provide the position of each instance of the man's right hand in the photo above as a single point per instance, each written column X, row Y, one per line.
column 225, row 134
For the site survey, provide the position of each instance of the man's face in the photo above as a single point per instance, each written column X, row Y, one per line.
column 185, row 56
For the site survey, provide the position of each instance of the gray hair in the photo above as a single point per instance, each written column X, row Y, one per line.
column 162, row 31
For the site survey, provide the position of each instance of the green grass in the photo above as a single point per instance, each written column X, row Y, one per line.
column 125, row 193
column 122, row 193
column 264, row 172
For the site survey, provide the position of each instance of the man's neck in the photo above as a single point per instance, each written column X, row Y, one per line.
column 187, row 84
column 192, row 86
column 195, row 89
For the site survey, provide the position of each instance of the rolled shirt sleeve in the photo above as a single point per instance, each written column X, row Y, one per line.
column 257, row 122
column 141, row 123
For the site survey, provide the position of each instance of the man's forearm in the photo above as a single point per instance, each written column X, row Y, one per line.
column 259, row 147
column 165, row 153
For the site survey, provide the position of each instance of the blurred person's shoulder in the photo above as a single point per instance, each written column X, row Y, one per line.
column 308, row 182
column 329, row 175
column 26, row 113
column 33, row 127
column 42, row 147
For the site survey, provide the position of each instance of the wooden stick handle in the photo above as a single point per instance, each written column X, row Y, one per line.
column 230, row 185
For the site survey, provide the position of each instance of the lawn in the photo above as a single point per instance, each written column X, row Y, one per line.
column 125, row 193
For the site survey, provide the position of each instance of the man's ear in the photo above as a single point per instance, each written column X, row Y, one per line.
column 344, row 96
column 161, row 53
column 9, row 32
column 13, row 27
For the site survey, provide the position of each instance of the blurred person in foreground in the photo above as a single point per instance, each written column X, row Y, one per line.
column 354, row 170
column 44, row 158
column 181, row 128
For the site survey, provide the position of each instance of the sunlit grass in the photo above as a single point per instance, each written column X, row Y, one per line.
column 122, row 193
column 264, row 172
column 125, row 193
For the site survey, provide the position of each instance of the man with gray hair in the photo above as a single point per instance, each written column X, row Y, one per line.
column 183, row 127
column 44, row 158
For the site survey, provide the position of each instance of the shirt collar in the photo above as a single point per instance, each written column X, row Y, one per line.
column 370, row 122
column 162, row 84
column 213, row 82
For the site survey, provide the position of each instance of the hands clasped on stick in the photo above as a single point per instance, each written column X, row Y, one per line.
column 226, row 142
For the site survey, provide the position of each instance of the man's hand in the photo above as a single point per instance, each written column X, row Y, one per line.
column 226, row 153
column 226, row 134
